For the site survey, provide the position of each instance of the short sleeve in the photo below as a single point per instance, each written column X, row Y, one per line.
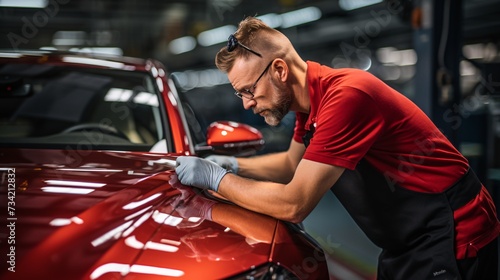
column 347, row 125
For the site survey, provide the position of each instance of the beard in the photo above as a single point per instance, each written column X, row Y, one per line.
column 281, row 101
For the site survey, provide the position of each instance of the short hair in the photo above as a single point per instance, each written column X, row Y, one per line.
column 246, row 34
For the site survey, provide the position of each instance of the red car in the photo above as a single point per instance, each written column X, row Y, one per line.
column 88, row 187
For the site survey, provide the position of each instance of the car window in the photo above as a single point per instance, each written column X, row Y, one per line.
column 47, row 105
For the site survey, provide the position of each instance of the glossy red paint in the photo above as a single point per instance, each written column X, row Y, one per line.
column 110, row 214
column 231, row 132
column 231, row 138
column 128, row 224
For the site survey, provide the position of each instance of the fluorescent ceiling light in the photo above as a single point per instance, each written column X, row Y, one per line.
column 301, row 16
column 220, row 34
column 203, row 78
column 216, row 35
column 69, row 38
column 24, row 3
column 390, row 55
column 273, row 20
column 408, row 57
column 467, row 69
column 349, row 5
column 182, row 45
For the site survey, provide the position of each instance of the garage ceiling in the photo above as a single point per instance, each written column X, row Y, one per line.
column 144, row 28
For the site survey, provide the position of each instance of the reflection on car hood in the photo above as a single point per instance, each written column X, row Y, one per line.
column 104, row 214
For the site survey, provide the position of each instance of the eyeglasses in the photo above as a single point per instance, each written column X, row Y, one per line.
column 247, row 93
column 232, row 43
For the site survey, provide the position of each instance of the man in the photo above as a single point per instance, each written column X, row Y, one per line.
column 401, row 180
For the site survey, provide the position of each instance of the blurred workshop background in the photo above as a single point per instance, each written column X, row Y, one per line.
column 444, row 55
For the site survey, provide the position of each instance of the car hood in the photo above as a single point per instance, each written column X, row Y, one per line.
column 108, row 215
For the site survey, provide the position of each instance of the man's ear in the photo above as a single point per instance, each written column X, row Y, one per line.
column 281, row 69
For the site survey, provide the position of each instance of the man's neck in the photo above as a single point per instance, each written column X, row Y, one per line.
column 300, row 89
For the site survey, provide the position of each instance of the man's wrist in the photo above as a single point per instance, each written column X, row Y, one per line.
column 221, row 174
column 234, row 165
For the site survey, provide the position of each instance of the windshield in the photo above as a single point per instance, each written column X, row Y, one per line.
column 55, row 106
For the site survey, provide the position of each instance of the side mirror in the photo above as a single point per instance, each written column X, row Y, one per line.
column 232, row 138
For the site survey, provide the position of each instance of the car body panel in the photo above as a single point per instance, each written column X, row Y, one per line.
column 129, row 225
column 85, row 211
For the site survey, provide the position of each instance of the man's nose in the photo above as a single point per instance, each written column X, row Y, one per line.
column 248, row 103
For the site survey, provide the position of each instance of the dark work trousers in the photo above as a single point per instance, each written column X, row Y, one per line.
column 482, row 267
column 415, row 230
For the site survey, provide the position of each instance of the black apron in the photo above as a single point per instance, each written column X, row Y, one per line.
column 415, row 230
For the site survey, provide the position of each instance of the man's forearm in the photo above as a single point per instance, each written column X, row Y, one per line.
column 268, row 198
column 270, row 167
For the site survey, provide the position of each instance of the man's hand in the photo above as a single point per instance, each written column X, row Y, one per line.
column 228, row 162
column 199, row 172
column 196, row 206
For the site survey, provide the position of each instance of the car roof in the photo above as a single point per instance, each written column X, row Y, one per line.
column 82, row 59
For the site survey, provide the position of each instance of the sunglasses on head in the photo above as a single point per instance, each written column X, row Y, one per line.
column 232, row 43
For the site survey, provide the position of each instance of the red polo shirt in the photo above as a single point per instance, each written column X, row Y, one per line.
column 358, row 116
